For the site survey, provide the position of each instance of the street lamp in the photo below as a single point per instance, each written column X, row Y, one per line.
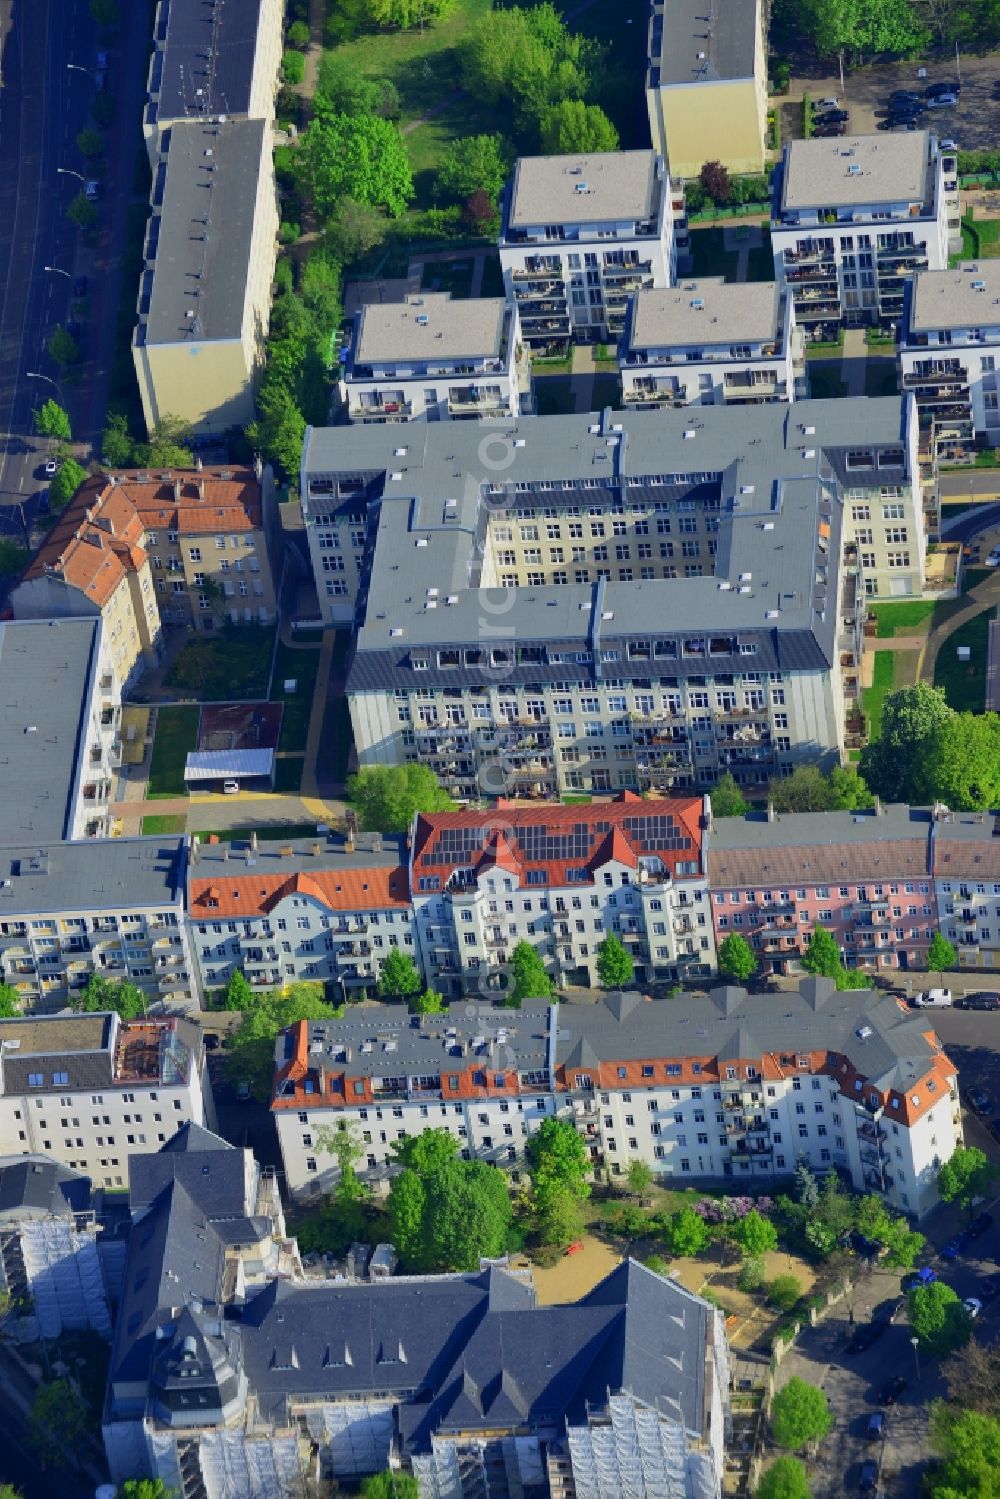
column 69, row 172
column 36, row 375
column 75, row 67
column 57, row 270
column 915, row 1345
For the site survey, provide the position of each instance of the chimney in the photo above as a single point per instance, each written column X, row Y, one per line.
column 879, row 810
column 770, row 810
column 197, row 462
column 201, row 489
column 195, row 849
column 177, row 489
column 253, row 841
column 350, row 838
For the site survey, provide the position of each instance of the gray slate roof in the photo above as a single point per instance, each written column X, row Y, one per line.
column 210, row 48
column 894, row 168
column 967, row 297
column 36, row 1186
column 45, row 679
column 205, row 230
column 93, row 876
column 707, row 43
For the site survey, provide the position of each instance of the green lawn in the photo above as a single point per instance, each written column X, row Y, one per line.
column 824, row 379
column 903, row 618
column 553, row 395
column 300, row 666
column 271, row 833
column 880, row 377
column 288, row 774
column 981, row 238
column 964, row 682
column 230, row 665
column 176, row 737
column 883, row 671
column 169, row 823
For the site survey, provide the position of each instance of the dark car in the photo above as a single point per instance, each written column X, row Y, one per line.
column 827, row 116
column 211, row 1041
column 925, row 1277
column 994, row 1129
column 955, row 1247
column 876, row 1426
column 935, row 90
column 909, row 123
column 903, row 93
column 865, row 1335
column 984, row 1001
column 981, row 1224
column 891, row 1390
column 79, row 286
column 979, row 1101
column 869, row 1477
column 889, row 1311
column 865, row 1249
column 835, row 127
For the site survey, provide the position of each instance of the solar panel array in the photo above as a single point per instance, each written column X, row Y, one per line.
column 541, row 843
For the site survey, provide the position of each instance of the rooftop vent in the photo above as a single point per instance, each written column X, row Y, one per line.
column 853, row 169
column 979, row 286
column 688, row 433
column 422, row 319
column 580, row 187
column 698, row 303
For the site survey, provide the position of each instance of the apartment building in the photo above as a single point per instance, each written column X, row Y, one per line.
column 854, row 218
column 948, row 357
column 115, row 908
column 50, row 1265
column 711, row 343
column 726, row 1086
column 205, row 293
column 864, row 876
column 706, row 84
column 966, row 870
column 91, row 1090
column 321, row 909
column 635, row 600
column 579, row 235
column 561, row 878
column 429, row 358
column 211, row 59
column 60, row 739
column 236, row 1373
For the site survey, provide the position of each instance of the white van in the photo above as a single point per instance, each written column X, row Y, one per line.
column 934, row 999
column 230, row 788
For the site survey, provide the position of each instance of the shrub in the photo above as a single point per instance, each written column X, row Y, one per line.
column 716, row 182
column 293, row 68
column 784, row 1292
column 751, row 1276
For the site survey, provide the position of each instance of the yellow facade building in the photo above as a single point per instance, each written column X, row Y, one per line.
column 706, row 84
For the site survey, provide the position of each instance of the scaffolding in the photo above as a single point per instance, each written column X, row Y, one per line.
column 437, row 1471
column 356, row 1434
column 632, row 1453
column 237, row 1466
column 63, row 1271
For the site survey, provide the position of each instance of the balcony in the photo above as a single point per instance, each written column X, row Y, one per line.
column 470, row 402
column 748, row 389
column 383, row 409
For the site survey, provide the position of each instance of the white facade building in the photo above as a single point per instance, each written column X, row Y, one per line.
column 949, row 357
column 432, row 358
column 90, row 1090
column 846, row 1080
column 705, row 343
column 967, row 885
column 579, row 235
column 853, row 218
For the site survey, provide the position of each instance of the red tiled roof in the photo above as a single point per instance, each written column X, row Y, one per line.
column 258, row 894
column 554, row 838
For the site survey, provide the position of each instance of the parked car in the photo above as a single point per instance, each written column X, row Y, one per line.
column 907, row 122
column 835, row 127
column 827, row 116
column 948, row 145
column 876, row 1426
column 891, row 1390
column 993, row 560
column 93, row 190
column 869, row 1477
column 982, row 1001
column 973, row 1306
column 955, row 1246
column 865, row 1335
column 51, row 468
column 934, row 999
column 889, row 1311
column 102, row 62
column 904, row 93
column 828, row 103
column 942, row 101
column 981, row 1224
column 925, row 1277
column 979, row 1101
column 942, row 87
column 211, row 1041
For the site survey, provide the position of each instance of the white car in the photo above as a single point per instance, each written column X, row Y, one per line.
column 948, row 145
column 942, row 101
column 993, row 560
column 822, row 104
column 934, row 999
column 51, row 468
column 973, row 1305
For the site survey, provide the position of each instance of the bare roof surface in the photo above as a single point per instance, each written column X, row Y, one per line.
column 429, row 326
column 208, row 57
column 706, row 312
column 615, row 185
column 707, row 41
column 967, row 297
column 892, row 168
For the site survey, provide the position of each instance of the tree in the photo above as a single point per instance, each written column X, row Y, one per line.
column 755, row 1234
column 557, row 1158
column 344, row 1146
column 82, row 212
column 614, row 963
column 529, row 56
column 687, row 1233
column 388, row 797
column 938, row 1318
column 104, row 12
column 101, row 993
column 848, row 792
column 727, row 798
column 431, row 1002
column 860, row 26
column 969, row 1444
column 56, row 1421
column 714, row 178
column 251, row 1045
column 354, row 230
column 399, row 977
column 941, row 955
column 474, row 163
column 640, row 1177
column 90, row 142
column 8, row 1491
column 65, row 483
column 799, row 1415
column 530, row 981
column 298, row 34
column 116, row 441
column 293, row 68
column 393, row 1484
column 891, row 765
column 342, row 88
column 63, row 347
column 145, row 1488
column 558, row 1217
column 446, row 1214
column 960, row 761
column 280, row 428
column 785, row 1292
column 965, row 1175
column 752, row 1274
column 103, row 108
column 973, row 1377
column 736, row 961
column 480, row 214
column 822, row 955
column 573, row 126
column 406, row 13
column 806, row 1185
column 51, row 420
column 10, row 1002
column 876, row 1223
column 361, row 156
column 239, row 995
column 167, row 446
column 13, row 558
column 807, row 789
column 786, row 1478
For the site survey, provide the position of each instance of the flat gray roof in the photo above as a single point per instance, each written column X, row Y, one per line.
column 430, row 326
column 205, row 231
column 208, row 57
column 45, row 672
column 108, row 874
column 707, row 41
column 967, row 297
column 893, row 168
column 706, row 312
column 615, row 185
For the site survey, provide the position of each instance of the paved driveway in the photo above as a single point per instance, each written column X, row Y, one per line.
column 974, row 123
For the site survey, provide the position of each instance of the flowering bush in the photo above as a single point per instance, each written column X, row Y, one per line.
column 731, row 1209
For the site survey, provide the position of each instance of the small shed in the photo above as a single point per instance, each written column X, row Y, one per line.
column 208, row 770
